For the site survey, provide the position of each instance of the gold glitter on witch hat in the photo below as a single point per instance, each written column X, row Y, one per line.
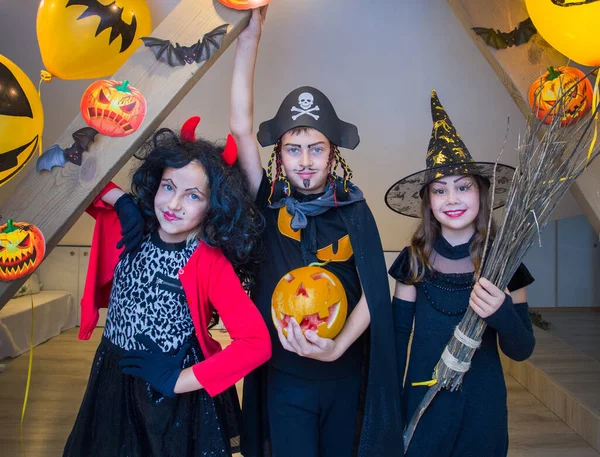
column 447, row 155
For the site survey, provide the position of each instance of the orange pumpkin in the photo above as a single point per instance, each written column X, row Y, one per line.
column 113, row 108
column 22, row 248
column 314, row 297
column 244, row 4
column 547, row 90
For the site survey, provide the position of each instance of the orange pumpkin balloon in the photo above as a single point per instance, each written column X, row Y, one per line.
column 113, row 108
column 314, row 297
column 545, row 92
column 22, row 248
column 244, row 4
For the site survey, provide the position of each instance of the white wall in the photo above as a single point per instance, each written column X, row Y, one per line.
column 377, row 61
column 578, row 263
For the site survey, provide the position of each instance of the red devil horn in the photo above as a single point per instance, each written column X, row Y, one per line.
column 188, row 129
column 230, row 153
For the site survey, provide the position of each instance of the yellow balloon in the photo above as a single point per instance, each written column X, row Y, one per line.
column 21, row 119
column 81, row 39
column 572, row 27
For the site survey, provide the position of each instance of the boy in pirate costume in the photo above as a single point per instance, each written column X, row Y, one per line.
column 316, row 397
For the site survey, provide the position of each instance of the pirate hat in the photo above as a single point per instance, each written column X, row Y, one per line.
column 447, row 155
column 308, row 107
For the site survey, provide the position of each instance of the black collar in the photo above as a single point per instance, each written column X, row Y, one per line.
column 445, row 249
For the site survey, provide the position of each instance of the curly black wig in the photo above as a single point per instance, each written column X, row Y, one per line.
column 232, row 222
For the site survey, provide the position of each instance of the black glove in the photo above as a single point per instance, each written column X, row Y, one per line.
column 159, row 369
column 132, row 225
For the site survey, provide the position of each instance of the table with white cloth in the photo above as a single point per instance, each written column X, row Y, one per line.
column 54, row 312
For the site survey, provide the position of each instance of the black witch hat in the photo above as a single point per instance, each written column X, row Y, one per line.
column 308, row 107
column 447, row 155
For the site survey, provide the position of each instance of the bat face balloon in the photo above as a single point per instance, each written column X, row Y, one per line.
column 21, row 119
column 244, row 4
column 572, row 27
column 82, row 39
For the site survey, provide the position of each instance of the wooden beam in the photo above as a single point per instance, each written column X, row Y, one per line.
column 517, row 68
column 55, row 200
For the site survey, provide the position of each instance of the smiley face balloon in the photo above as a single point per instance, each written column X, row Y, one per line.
column 21, row 119
column 82, row 39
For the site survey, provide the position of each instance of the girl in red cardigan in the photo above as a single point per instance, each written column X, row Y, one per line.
column 160, row 385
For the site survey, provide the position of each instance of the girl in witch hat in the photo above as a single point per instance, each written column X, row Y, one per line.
column 160, row 385
column 307, row 401
column 435, row 285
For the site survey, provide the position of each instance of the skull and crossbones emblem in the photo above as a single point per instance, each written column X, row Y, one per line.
column 305, row 100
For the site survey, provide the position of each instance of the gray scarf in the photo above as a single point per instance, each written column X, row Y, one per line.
column 299, row 210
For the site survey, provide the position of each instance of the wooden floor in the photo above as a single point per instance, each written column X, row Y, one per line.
column 564, row 378
column 61, row 368
column 579, row 327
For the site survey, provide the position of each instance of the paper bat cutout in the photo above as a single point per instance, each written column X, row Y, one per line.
column 501, row 40
column 56, row 156
column 178, row 55
column 110, row 17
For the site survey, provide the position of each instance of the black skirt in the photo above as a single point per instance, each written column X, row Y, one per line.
column 122, row 416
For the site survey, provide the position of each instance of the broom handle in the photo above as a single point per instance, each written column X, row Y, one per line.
column 412, row 425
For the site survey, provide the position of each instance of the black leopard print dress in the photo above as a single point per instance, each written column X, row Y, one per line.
column 121, row 415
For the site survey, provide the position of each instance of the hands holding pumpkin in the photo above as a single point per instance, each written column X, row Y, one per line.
column 486, row 298
column 307, row 344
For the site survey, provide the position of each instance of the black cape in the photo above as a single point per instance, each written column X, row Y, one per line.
column 380, row 419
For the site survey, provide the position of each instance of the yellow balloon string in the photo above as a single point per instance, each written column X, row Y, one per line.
column 28, row 383
column 431, row 382
column 595, row 99
column 45, row 77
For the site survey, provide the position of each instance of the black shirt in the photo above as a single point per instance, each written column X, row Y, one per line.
column 283, row 253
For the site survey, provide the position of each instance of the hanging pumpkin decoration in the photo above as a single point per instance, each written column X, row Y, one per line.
column 314, row 297
column 550, row 87
column 21, row 119
column 22, row 249
column 113, row 108
column 244, row 4
column 572, row 27
column 81, row 39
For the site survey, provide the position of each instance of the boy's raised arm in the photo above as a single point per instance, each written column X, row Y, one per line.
column 242, row 99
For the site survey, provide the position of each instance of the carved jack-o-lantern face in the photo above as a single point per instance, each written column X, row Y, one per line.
column 546, row 91
column 314, row 297
column 113, row 108
column 22, row 248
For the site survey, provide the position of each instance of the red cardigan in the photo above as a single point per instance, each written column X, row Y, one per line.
column 208, row 280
